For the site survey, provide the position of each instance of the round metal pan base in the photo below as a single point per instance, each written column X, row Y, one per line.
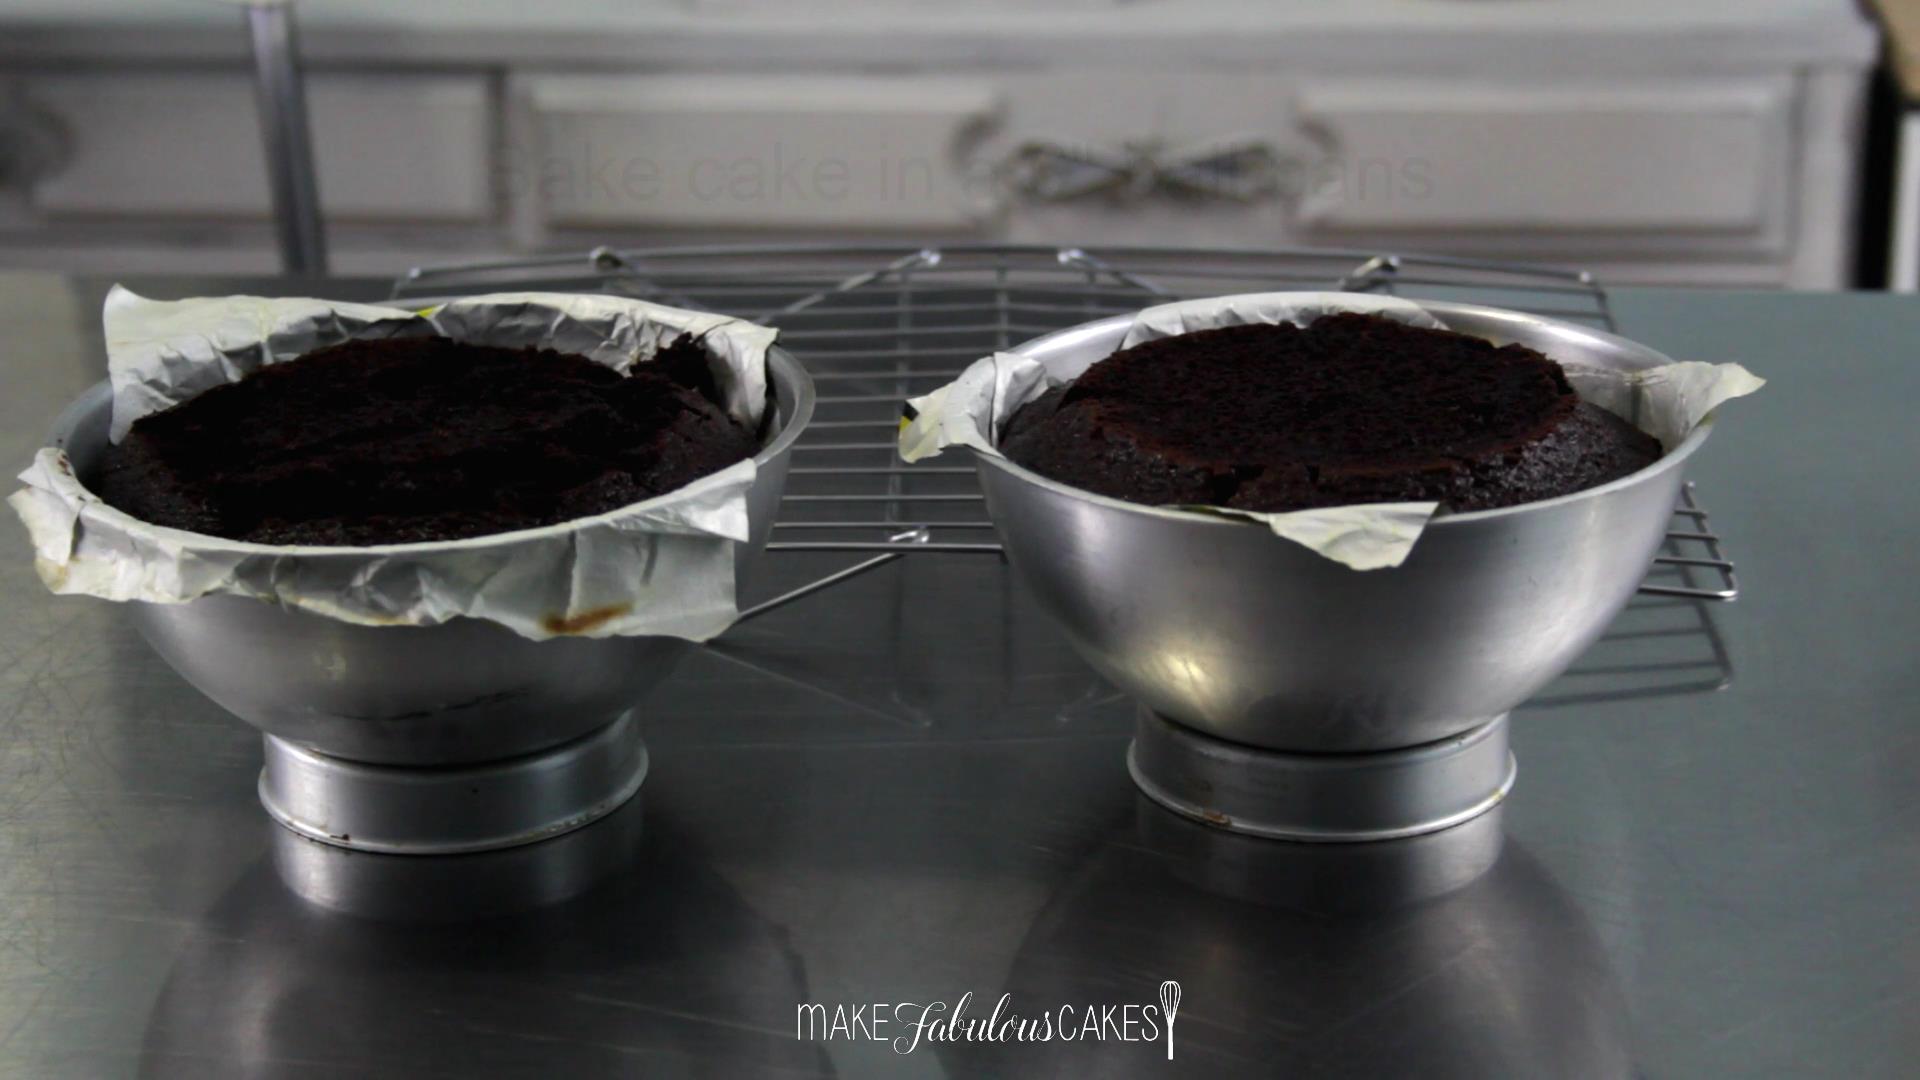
column 1321, row 797
column 463, row 888
column 402, row 810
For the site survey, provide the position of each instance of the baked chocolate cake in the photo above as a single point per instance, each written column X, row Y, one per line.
column 1352, row 409
column 409, row 439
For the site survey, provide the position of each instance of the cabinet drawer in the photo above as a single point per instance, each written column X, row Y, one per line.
column 745, row 151
column 188, row 145
column 1697, row 157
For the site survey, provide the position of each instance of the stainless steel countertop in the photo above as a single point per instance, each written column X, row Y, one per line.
column 859, row 799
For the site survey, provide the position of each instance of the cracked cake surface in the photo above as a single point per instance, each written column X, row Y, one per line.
column 410, row 439
column 1350, row 409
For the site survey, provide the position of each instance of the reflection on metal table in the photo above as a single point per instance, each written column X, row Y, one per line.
column 905, row 788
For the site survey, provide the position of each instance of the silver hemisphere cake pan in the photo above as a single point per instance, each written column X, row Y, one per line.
column 1225, row 628
column 458, row 736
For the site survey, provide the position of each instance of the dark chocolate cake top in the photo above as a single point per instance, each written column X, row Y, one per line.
column 1347, row 389
column 418, row 438
column 1351, row 409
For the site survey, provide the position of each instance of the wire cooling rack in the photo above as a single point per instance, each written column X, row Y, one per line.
column 876, row 325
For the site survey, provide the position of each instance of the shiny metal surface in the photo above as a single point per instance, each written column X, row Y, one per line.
column 463, row 691
column 452, row 809
column 1493, row 975
column 1220, row 625
column 1371, row 796
column 909, row 787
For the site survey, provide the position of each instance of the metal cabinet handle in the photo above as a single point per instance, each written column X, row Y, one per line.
column 1244, row 172
column 34, row 142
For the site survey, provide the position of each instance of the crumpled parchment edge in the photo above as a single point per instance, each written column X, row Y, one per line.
column 663, row 566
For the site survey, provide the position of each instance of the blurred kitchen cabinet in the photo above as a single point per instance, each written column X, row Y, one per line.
column 1645, row 140
column 1689, row 156
column 778, row 152
column 1671, row 179
column 187, row 145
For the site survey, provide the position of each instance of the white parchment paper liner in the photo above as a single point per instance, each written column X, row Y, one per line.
column 1667, row 402
column 664, row 566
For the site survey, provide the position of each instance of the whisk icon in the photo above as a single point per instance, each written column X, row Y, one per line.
column 1169, row 1005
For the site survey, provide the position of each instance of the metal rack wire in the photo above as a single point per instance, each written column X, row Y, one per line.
column 876, row 325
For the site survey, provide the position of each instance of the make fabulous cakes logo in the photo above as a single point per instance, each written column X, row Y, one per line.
column 906, row 1026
